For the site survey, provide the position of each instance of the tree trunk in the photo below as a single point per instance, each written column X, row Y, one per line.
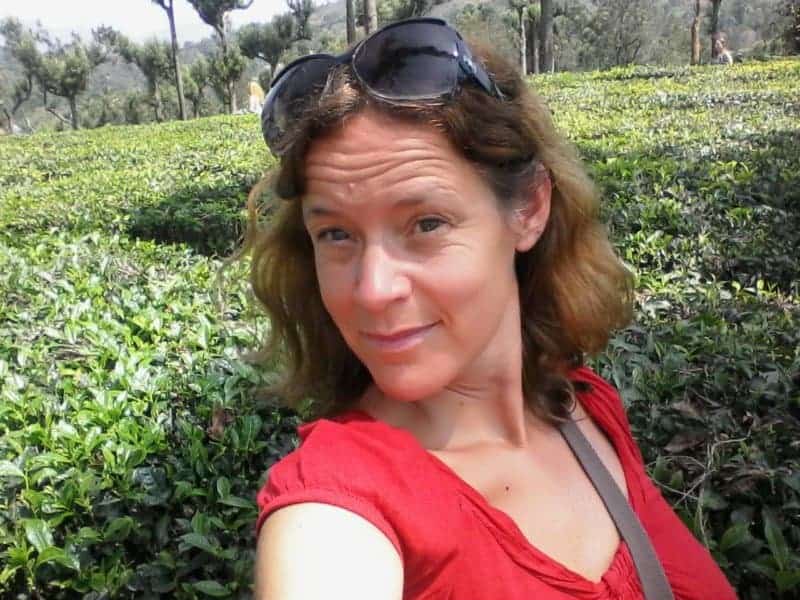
column 10, row 119
column 546, row 36
column 350, row 7
column 73, row 109
column 370, row 16
column 176, row 60
column 533, row 45
column 715, row 6
column 696, row 34
column 159, row 109
column 523, row 38
column 230, row 87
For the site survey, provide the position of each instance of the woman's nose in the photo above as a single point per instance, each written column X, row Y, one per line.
column 380, row 279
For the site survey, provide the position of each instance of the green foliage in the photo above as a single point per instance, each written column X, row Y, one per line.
column 699, row 175
column 134, row 433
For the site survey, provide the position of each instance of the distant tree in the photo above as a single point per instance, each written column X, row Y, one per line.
column 714, row 28
column 225, row 69
column 350, row 17
column 520, row 10
column 791, row 9
column 65, row 68
column 533, row 14
column 168, row 6
column 153, row 60
column 228, row 66
column 405, row 9
column 301, row 11
column 370, row 16
column 21, row 42
column 619, row 32
column 267, row 41
column 695, row 30
column 546, row 50
column 197, row 76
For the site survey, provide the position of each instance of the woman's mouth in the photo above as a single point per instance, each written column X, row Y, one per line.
column 399, row 340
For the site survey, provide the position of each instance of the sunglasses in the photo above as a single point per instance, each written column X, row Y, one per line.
column 410, row 60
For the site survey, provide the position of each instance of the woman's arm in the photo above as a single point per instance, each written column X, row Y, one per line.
column 316, row 551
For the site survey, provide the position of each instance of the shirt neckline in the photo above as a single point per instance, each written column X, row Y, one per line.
column 512, row 537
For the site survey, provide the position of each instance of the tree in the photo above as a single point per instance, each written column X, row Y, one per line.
column 225, row 69
column 229, row 65
column 618, row 30
column 714, row 28
column 791, row 9
column 350, row 15
column 21, row 42
column 153, row 60
column 168, row 6
column 197, row 77
column 370, row 16
column 301, row 11
column 267, row 41
column 533, row 14
column 65, row 68
column 546, row 50
column 519, row 7
column 696, row 33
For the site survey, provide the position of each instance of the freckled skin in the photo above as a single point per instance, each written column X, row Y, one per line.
column 446, row 257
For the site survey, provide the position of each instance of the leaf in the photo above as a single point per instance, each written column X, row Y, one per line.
column 60, row 556
column 38, row 534
column 223, row 487
column 118, row 529
column 237, row 502
column 211, row 588
column 9, row 469
column 775, row 540
column 736, row 534
column 787, row 580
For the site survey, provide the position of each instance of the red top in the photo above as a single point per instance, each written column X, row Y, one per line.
column 455, row 545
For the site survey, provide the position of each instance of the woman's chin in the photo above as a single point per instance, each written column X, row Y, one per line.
column 409, row 385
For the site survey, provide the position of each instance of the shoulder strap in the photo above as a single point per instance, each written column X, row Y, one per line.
column 651, row 573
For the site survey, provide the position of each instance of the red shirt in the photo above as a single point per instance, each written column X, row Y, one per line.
column 454, row 545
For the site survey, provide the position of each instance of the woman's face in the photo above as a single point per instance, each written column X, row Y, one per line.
column 414, row 255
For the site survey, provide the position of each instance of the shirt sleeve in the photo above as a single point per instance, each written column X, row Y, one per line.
column 316, row 473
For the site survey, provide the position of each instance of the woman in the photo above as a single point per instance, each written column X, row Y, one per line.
column 434, row 281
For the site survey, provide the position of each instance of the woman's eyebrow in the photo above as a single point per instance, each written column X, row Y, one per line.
column 316, row 208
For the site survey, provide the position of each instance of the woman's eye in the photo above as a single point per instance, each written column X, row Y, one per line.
column 332, row 234
column 429, row 224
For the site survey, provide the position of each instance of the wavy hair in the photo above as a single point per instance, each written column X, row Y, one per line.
column 573, row 288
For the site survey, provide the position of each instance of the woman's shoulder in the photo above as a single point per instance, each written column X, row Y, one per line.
column 603, row 403
column 335, row 451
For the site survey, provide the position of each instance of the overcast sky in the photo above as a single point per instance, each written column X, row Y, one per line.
column 138, row 19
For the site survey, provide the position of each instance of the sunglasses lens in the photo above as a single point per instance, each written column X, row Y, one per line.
column 288, row 96
column 417, row 60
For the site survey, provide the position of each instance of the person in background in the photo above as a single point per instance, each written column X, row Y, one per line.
column 436, row 278
column 724, row 56
column 256, row 96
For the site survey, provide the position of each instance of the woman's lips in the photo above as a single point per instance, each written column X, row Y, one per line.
column 402, row 340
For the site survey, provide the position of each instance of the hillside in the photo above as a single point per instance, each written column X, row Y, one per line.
column 135, row 432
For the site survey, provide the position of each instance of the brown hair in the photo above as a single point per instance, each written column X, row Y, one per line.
column 573, row 289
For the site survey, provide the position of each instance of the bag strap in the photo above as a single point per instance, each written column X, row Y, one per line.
column 651, row 573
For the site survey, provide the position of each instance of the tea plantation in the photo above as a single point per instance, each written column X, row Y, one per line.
column 134, row 432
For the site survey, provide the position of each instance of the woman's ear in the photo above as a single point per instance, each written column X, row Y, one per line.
column 530, row 217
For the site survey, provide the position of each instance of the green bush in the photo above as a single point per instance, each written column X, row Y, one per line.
column 134, row 432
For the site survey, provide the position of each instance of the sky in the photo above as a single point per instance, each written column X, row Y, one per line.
column 138, row 19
